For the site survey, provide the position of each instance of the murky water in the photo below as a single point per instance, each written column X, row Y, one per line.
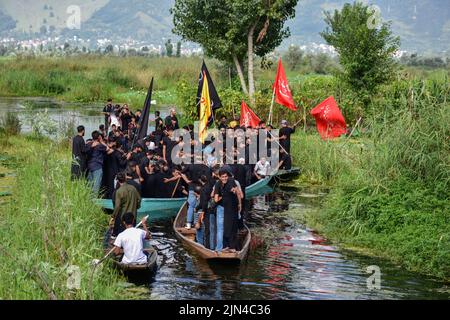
column 288, row 260
column 87, row 114
column 293, row 263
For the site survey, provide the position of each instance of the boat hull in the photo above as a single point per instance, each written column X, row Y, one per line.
column 186, row 237
column 135, row 271
column 161, row 208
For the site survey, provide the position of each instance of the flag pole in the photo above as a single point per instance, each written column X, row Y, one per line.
column 271, row 107
column 356, row 125
column 278, row 142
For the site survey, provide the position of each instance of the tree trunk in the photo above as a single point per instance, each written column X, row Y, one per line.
column 241, row 74
column 251, row 79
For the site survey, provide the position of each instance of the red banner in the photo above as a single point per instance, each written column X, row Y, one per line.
column 329, row 119
column 283, row 93
column 248, row 117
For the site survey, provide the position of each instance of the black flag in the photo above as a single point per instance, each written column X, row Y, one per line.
column 214, row 97
column 143, row 121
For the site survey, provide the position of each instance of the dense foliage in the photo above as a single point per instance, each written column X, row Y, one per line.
column 366, row 52
column 391, row 189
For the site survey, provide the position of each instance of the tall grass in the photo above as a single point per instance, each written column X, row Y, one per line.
column 89, row 78
column 323, row 162
column 395, row 198
column 10, row 124
column 50, row 226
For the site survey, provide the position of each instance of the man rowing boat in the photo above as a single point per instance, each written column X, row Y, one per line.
column 131, row 241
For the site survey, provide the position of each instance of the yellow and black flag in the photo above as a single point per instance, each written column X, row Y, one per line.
column 207, row 101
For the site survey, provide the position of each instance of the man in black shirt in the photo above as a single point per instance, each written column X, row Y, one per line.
column 285, row 136
column 137, row 157
column 223, row 122
column 168, row 144
column 229, row 196
column 113, row 163
column 159, row 124
column 79, row 155
column 171, row 120
column 137, row 115
column 107, row 109
column 125, row 117
column 207, row 185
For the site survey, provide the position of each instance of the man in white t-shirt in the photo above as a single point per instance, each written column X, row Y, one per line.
column 262, row 168
column 131, row 241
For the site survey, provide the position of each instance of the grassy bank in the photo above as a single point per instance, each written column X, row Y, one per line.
column 390, row 190
column 92, row 78
column 49, row 227
column 389, row 186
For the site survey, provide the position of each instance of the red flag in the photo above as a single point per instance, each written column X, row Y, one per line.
column 282, row 92
column 329, row 119
column 248, row 117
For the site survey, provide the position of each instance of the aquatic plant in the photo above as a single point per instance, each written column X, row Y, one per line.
column 10, row 124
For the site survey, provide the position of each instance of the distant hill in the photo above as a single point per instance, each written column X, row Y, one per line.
column 143, row 20
column 423, row 25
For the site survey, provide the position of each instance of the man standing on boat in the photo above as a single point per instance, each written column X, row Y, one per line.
column 79, row 155
column 97, row 149
column 127, row 199
column 131, row 240
column 229, row 201
column 285, row 136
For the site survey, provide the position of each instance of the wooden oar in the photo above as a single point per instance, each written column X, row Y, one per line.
column 97, row 262
column 176, row 186
column 278, row 143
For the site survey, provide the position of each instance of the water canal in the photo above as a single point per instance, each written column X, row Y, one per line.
column 287, row 261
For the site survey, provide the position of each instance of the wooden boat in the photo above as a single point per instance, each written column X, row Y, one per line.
column 160, row 208
column 134, row 270
column 187, row 237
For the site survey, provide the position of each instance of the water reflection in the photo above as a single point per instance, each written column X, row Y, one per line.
column 87, row 114
column 294, row 263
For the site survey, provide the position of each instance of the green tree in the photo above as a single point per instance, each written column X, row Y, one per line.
column 169, row 48
column 235, row 30
column 366, row 52
column 293, row 57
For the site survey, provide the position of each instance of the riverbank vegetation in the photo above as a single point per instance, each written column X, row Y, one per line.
column 391, row 186
column 389, row 183
column 50, row 232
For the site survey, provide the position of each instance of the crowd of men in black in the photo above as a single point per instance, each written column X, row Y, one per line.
column 147, row 165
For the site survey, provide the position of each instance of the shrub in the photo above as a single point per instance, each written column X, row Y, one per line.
column 10, row 124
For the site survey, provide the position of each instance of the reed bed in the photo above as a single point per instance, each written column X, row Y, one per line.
column 50, row 229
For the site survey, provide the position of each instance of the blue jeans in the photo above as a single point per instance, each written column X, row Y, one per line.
column 200, row 232
column 192, row 202
column 95, row 177
column 212, row 231
column 219, row 228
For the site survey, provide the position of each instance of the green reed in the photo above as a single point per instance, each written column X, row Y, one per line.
column 49, row 226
